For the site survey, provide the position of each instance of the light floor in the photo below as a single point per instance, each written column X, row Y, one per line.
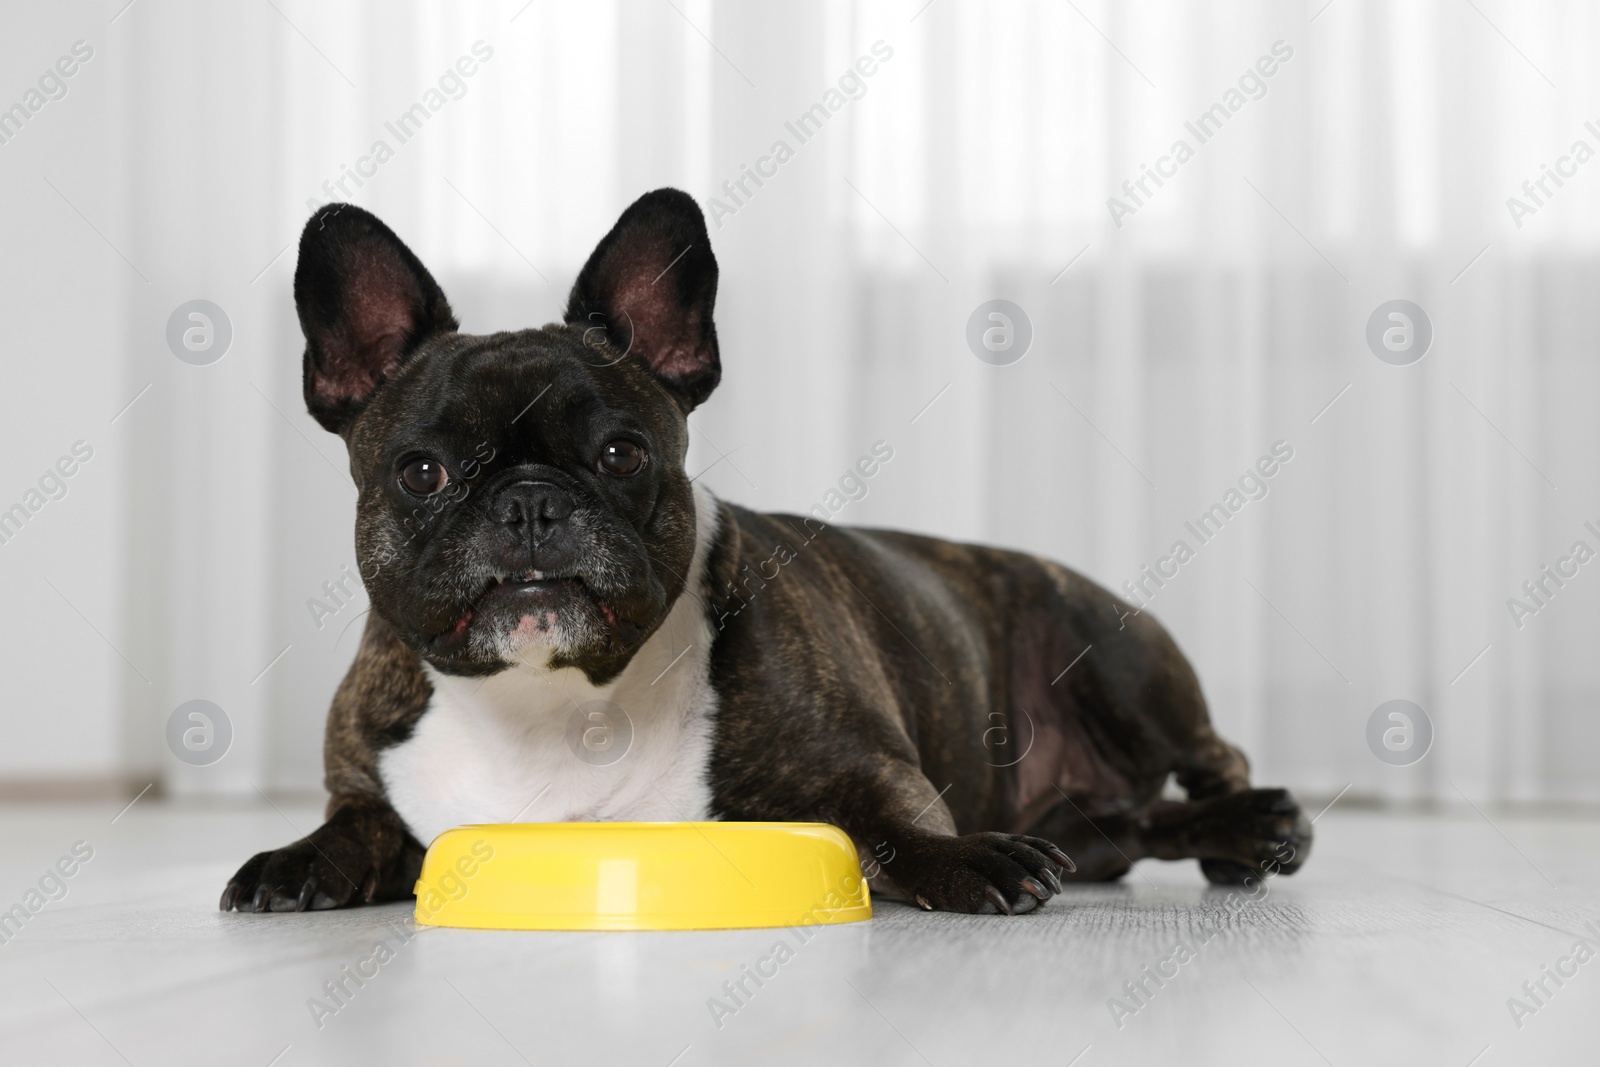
column 1399, row 943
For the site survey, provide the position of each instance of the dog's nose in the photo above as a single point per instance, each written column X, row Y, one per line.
column 536, row 505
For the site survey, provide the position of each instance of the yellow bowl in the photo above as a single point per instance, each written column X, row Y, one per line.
column 641, row 876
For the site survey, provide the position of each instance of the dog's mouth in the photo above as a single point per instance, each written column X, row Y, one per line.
column 509, row 600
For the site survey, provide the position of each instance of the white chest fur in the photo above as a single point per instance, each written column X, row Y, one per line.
column 535, row 745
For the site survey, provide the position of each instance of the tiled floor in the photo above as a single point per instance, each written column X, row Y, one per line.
column 1401, row 942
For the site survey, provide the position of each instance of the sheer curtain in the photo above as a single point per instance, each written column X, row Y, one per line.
column 1173, row 345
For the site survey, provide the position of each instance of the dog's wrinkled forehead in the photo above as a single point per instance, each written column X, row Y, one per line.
column 523, row 392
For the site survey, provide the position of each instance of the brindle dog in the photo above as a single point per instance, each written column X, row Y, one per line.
column 534, row 550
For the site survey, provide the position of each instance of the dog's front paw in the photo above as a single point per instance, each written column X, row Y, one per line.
column 362, row 854
column 301, row 876
column 986, row 873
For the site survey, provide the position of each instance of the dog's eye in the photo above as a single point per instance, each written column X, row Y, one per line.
column 622, row 458
column 423, row 476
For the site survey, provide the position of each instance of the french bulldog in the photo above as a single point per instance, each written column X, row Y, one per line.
column 541, row 566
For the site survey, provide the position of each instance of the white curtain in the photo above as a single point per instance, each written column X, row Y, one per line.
column 1172, row 346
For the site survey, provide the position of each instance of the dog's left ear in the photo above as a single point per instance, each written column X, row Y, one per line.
column 651, row 285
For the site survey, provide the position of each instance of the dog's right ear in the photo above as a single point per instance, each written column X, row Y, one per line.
column 365, row 303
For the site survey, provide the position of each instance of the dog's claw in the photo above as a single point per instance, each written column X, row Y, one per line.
column 304, row 899
column 263, row 899
column 923, row 901
column 1051, row 879
column 369, row 892
column 229, row 895
column 1033, row 886
column 1062, row 858
column 998, row 899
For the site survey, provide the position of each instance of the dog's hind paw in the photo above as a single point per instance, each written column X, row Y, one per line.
column 1252, row 834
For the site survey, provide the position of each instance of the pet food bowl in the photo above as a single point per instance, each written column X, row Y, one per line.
column 641, row 876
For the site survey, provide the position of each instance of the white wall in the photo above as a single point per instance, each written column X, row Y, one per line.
column 61, row 293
